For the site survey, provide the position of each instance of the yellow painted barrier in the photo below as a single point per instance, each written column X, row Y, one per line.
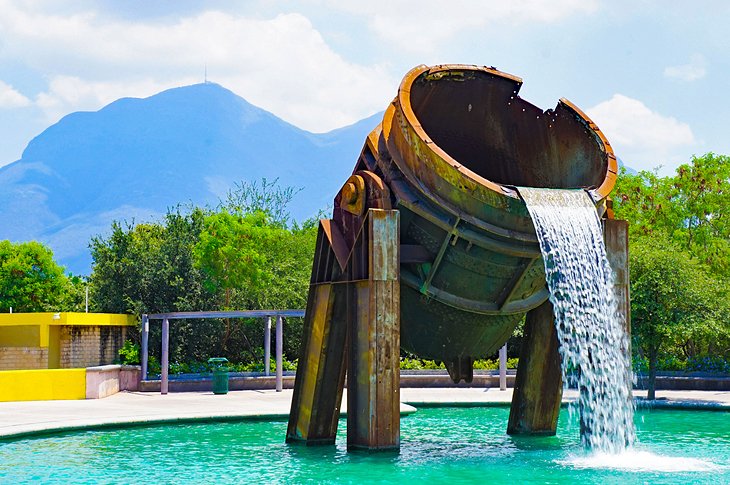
column 42, row 385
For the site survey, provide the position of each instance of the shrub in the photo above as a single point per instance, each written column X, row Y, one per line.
column 129, row 353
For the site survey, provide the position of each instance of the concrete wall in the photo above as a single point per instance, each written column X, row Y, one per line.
column 86, row 346
column 105, row 380
column 102, row 381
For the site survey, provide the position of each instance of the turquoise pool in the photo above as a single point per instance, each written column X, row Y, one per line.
column 439, row 445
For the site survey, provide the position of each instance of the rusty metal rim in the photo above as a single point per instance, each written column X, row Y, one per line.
column 404, row 101
column 500, row 232
column 609, row 179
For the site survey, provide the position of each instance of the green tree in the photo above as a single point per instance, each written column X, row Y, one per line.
column 148, row 268
column 688, row 208
column 684, row 215
column 264, row 196
column 73, row 298
column 232, row 252
column 701, row 198
column 255, row 257
column 30, row 280
column 673, row 298
column 247, row 254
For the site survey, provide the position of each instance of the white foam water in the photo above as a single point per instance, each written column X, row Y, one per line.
column 593, row 342
column 640, row 461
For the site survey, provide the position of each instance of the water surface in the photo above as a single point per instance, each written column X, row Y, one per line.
column 439, row 445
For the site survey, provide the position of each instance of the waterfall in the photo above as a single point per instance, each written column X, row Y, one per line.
column 593, row 343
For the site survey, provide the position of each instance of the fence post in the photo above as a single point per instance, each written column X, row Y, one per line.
column 145, row 345
column 267, row 346
column 279, row 352
column 165, row 360
column 503, row 368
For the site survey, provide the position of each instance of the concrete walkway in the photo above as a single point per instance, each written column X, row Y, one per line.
column 27, row 418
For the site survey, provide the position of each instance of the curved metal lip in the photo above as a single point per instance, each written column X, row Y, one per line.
column 404, row 100
column 416, row 183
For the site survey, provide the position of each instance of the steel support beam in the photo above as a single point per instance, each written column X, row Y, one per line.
column 616, row 236
column 373, row 313
column 315, row 408
column 538, row 384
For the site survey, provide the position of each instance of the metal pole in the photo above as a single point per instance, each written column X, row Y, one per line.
column 267, row 347
column 87, row 298
column 503, row 368
column 145, row 345
column 165, row 360
column 279, row 352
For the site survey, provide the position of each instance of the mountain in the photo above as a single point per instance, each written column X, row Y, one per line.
column 134, row 158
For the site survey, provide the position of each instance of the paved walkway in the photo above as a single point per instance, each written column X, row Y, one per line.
column 22, row 418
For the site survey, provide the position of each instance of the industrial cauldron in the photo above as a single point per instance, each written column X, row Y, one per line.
column 430, row 247
column 452, row 146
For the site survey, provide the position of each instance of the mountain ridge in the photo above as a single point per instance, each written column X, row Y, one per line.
column 136, row 157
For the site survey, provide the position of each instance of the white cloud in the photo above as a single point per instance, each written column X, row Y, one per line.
column 422, row 26
column 688, row 72
column 11, row 98
column 642, row 138
column 281, row 64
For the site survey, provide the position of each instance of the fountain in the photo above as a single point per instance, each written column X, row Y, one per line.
column 593, row 342
column 431, row 248
column 441, row 242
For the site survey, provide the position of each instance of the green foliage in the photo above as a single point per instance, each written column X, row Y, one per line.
column 711, row 364
column 675, row 300
column 689, row 208
column 680, row 261
column 245, row 255
column 493, row 364
column 73, row 296
column 30, row 280
column 234, row 252
column 409, row 363
column 414, row 363
column 149, row 268
column 268, row 197
column 196, row 367
column 129, row 353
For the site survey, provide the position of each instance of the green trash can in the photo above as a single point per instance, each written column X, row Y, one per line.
column 220, row 374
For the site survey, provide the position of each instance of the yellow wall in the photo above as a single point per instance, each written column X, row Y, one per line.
column 42, row 385
column 33, row 340
column 54, row 347
column 20, row 336
column 66, row 318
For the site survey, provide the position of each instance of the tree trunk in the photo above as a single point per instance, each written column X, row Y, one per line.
column 653, row 356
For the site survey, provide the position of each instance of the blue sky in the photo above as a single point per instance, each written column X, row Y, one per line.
column 654, row 75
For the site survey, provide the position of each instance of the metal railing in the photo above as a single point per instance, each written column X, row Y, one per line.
column 268, row 315
column 165, row 350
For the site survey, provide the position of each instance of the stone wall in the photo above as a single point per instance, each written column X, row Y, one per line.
column 82, row 346
column 14, row 358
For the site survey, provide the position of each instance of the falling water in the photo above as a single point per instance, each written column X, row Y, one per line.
column 593, row 343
